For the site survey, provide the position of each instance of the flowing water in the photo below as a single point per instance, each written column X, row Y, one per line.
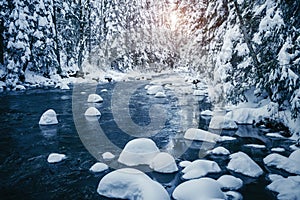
column 25, row 146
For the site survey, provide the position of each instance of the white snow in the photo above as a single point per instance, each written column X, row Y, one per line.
column 287, row 188
column 131, row 184
column 242, row 163
column 226, row 138
column 92, row 111
column 138, row 152
column 277, row 135
column 200, row 93
column 62, row 86
column 160, row 95
column 219, row 151
column 163, row 163
column 94, row 98
column 257, row 146
column 201, row 135
column 198, row 189
column 282, row 162
column 48, row 118
column 295, row 155
column 108, row 156
column 99, row 167
column 19, row 87
column 185, row 163
column 207, row 113
column 221, row 122
column 154, row 89
column 230, row 182
column 278, row 149
column 56, row 157
column 103, row 90
column 233, row 195
column 200, row 168
column 274, row 177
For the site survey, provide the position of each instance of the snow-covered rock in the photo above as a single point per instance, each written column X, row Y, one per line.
column 131, row 184
column 229, row 182
column 257, row 146
column 48, row 118
column 62, row 86
column 287, row 188
column 295, row 155
column 160, row 95
column 278, row 149
column 56, row 157
column 108, row 156
column 242, row 163
column 221, row 122
column 138, row 152
column 99, row 167
column 278, row 135
column 207, row 113
column 201, row 135
column 92, row 111
column 103, row 90
column 198, row 189
column 200, row 168
column 200, row 93
column 226, row 138
column 248, row 115
column 19, row 87
column 233, row 195
column 282, row 162
column 163, row 163
column 185, row 163
column 154, row 89
column 219, row 151
column 273, row 177
column 94, row 98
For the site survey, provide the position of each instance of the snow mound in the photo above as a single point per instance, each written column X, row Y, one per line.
column 56, row 157
column 200, row 93
column 154, row 89
column 278, row 149
column 282, row 162
column 207, row 113
column 229, row 182
column 287, row 188
column 160, row 95
column 201, row 135
column 200, row 168
column 232, row 195
column 198, row 189
column 131, row 184
column 242, row 163
column 108, row 156
column 138, row 152
column 248, row 115
column 295, row 155
column 163, row 163
column 94, row 98
column 219, row 151
column 185, row 163
column 48, row 118
column 92, row 111
column 226, row 138
column 257, row 146
column 221, row 122
column 99, row 167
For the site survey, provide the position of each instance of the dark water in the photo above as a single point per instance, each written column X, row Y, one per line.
column 24, row 146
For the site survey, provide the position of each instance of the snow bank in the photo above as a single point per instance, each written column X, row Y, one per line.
column 248, row 115
column 219, row 151
column 242, row 163
column 229, row 182
column 92, row 111
column 200, row 93
column 163, row 163
column 56, row 157
column 99, row 167
column 287, row 188
column 221, row 122
column 108, row 156
column 198, row 189
column 94, row 98
column 131, row 184
column 160, row 95
column 154, row 89
column 200, row 168
column 282, row 162
column 138, row 152
column 201, row 135
column 48, row 118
